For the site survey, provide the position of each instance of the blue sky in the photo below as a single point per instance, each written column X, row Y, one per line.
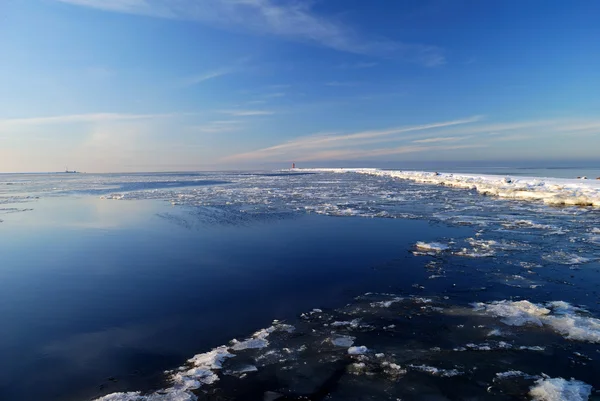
column 137, row 85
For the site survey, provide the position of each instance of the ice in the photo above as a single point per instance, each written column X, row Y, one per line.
column 386, row 304
column 259, row 339
column 436, row 371
column 559, row 389
column 352, row 324
column 358, row 350
column 569, row 321
column 553, row 191
column 343, row 341
column 432, row 246
column 202, row 371
column 565, row 258
column 511, row 374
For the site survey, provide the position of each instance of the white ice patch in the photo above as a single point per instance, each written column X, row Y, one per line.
column 559, row 389
column 511, row 374
column 564, row 258
column 385, row 304
column 553, row 191
column 352, row 323
column 259, row 339
column 470, row 253
column 200, row 370
column 432, row 246
column 436, row 371
column 358, row 350
column 342, row 341
column 567, row 320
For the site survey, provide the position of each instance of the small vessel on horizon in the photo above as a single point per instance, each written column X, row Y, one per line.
column 67, row 171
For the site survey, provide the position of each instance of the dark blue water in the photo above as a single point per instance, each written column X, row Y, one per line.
column 99, row 296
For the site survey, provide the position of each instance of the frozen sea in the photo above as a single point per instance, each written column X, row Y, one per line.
column 337, row 284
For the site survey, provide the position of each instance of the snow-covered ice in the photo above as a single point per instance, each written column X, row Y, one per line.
column 559, row 389
column 554, row 191
column 568, row 320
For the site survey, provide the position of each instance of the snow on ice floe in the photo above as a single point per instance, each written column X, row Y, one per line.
column 553, row 191
column 515, row 373
column 432, row 246
column 436, row 371
column 568, row 320
column 259, row 339
column 559, row 389
column 360, row 350
column 342, row 341
column 200, row 370
column 564, row 258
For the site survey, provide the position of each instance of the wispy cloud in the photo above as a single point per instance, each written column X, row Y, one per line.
column 247, row 113
column 81, row 118
column 308, row 145
column 374, row 153
column 442, row 139
column 199, row 78
column 289, row 19
column 434, row 137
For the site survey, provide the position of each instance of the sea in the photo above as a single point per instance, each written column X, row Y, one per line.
column 307, row 284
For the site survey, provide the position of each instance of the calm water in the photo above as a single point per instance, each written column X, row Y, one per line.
column 108, row 280
column 92, row 289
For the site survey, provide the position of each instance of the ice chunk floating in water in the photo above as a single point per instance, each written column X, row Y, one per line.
column 568, row 320
column 560, row 390
column 432, row 246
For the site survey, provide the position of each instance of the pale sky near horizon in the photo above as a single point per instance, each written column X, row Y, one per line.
column 149, row 85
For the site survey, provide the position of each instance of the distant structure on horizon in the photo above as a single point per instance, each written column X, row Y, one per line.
column 67, row 171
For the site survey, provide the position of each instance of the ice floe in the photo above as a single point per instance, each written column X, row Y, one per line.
column 554, row 191
column 361, row 350
column 432, row 246
column 570, row 321
column 436, row 371
column 559, row 389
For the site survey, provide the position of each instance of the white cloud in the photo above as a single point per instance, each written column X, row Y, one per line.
column 80, row 118
column 309, row 144
column 196, row 79
column 435, row 137
column 442, row 139
column 290, row 19
column 374, row 153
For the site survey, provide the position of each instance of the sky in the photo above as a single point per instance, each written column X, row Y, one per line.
column 174, row 85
